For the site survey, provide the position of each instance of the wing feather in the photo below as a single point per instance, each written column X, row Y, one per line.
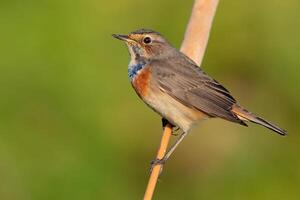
column 182, row 79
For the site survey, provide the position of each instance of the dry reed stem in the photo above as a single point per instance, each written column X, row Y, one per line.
column 193, row 45
column 157, row 168
column 198, row 29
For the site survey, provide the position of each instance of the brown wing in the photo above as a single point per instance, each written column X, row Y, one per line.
column 187, row 83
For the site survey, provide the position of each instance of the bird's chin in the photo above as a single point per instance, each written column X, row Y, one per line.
column 134, row 48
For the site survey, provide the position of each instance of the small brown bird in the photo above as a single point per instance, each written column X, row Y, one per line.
column 177, row 89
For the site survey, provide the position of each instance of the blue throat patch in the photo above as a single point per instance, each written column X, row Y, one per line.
column 134, row 69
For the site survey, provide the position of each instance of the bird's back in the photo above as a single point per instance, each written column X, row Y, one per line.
column 184, row 81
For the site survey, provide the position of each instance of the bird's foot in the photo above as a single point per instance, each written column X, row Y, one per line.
column 165, row 122
column 175, row 129
column 157, row 162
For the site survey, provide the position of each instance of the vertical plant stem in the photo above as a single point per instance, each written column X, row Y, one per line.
column 157, row 168
column 198, row 29
column 193, row 45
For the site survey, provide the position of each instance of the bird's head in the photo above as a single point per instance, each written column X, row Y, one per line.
column 145, row 43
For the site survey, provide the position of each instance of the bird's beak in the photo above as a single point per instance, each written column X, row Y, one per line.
column 121, row 37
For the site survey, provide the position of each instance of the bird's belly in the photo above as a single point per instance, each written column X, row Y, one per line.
column 171, row 109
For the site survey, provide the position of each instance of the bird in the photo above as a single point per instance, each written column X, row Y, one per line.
column 175, row 87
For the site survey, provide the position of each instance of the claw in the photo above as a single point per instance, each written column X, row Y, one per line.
column 157, row 162
column 175, row 129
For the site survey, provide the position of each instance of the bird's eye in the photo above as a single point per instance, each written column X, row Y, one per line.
column 147, row 40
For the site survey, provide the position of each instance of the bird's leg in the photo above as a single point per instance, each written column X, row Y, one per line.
column 165, row 122
column 170, row 151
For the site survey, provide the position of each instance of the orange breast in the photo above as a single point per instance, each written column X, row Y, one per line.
column 141, row 82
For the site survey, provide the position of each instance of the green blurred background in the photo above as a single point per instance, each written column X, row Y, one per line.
column 71, row 127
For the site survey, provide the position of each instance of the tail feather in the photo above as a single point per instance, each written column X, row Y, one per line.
column 248, row 116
